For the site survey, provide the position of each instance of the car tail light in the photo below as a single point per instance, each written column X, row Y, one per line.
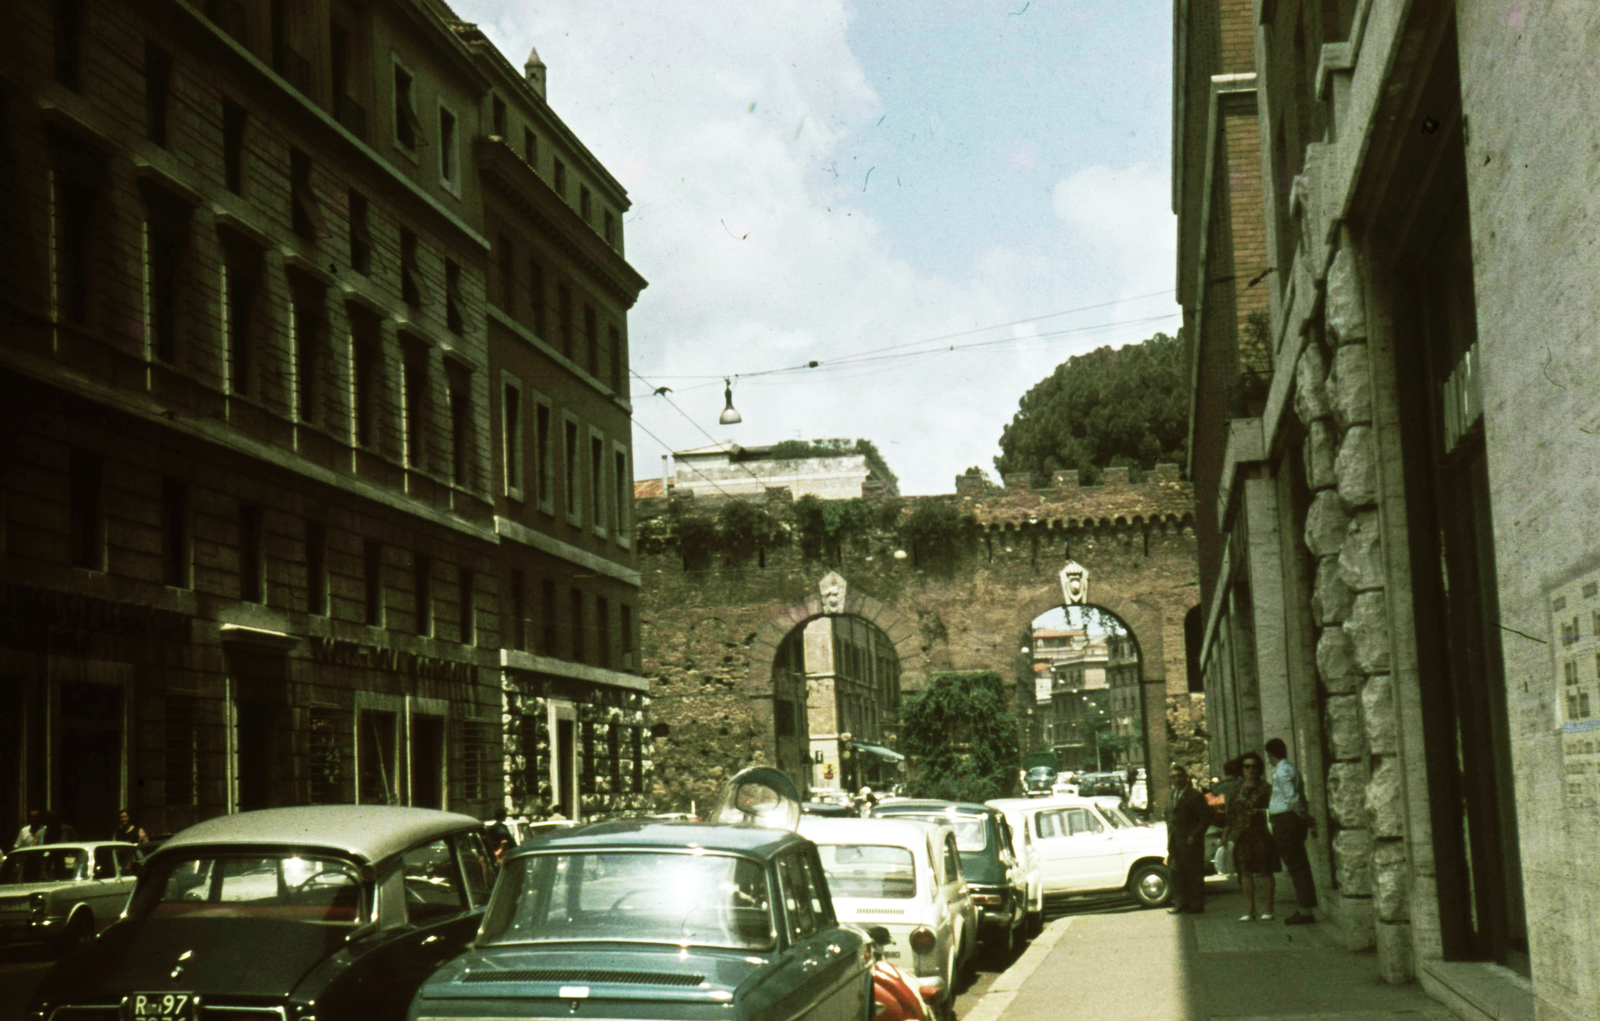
column 986, row 900
column 923, row 941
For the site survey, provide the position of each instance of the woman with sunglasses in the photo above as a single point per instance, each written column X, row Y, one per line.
column 1254, row 853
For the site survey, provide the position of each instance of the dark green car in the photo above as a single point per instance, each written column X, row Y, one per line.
column 641, row 918
column 988, row 860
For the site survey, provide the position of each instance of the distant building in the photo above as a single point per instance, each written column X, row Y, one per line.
column 727, row 469
column 852, row 676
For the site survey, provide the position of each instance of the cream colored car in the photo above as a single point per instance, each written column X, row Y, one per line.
column 62, row 894
column 905, row 876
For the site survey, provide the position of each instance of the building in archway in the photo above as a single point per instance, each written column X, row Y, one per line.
column 720, row 612
column 1387, row 271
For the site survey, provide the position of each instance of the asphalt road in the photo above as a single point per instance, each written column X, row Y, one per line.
column 20, row 972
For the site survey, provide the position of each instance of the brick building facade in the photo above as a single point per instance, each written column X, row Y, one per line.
column 253, row 499
column 1397, row 560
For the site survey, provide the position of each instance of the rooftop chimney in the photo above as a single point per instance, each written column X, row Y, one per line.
column 534, row 70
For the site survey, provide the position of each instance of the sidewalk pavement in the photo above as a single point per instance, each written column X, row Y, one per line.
column 1139, row 965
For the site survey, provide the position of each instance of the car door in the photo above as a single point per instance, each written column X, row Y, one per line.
column 847, row 958
column 812, row 970
column 1075, row 853
column 960, row 898
column 104, row 893
column 127, row 867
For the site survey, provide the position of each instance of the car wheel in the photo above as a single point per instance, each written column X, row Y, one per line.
column 1151, row 885
column 1035, row 924
column 79, row 930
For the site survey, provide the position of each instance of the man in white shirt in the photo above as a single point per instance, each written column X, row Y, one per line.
column 32, row 832
column 1289, row 816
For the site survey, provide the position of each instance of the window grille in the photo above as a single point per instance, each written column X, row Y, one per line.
column 479, row 751
column 181, row 751
column 329, row 754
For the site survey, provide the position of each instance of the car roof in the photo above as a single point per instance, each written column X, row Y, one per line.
column 370, row 832
column 894, row 832
column 645, row 834
column 933, row 805
column 1054, row 801
column 74, row 845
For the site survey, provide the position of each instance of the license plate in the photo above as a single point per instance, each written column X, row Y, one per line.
column 161, row 1007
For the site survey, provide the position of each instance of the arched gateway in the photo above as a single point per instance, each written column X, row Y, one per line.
column 720, row 619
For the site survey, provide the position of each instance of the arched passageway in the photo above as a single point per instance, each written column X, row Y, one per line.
column 1082, row 664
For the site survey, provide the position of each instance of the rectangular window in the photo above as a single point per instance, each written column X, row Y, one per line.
column 564, row 318
column 86, row 509
column 411, row 288
column 316, row 568
column 180, row 751
column 229, row 15
column 597, row 474
column 504, row 260
column 611, row 228
column 69, row 43
column 447, row 149
column 536, row 298
column 305, row 208
column 530, row 148
column 614, row 756
column 166, row 243
column 360, row 234
column 569, row 469
column 543, row 477
column 499, row 117
column 625, row 626
column 583, row 202
column 602, row 619
column 454, row 307
column 157, row 92
column 560, row 177
column 364, row 378
column 468, row 606
column 511, row 437
column 291, row 65
column 415, row 394
column 175, row 556
column 531, row 728
column 591, row 337
column 372, row 581
column 234, row 120
column 552, row 627
column 241, row 284
column 578, row 625
column 307, row 338
column 422, row 570
column 76, row 181
column 407, row 126
column 252, row 554
column 636, row 748
column 460, row 396
column 519, row 611
column 619, row 367
column 330, row 747
column 621, row 493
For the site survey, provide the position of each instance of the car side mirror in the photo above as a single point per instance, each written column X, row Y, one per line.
column 880, row 935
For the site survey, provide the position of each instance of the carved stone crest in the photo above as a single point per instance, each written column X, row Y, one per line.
column 1074, row 584
column 832, row 588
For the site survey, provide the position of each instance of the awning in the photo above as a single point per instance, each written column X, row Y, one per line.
column 879, row 751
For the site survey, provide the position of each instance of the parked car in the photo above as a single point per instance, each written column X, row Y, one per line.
column 334, row 910
column 656, row 919
column 1102, row 784
column 829, row 810
column 895, row 996
column 905, row 876
column 1066, row 784
column 988, row 860
column 62, row 894
column 1027, row 855
column 1084, row 847
column 1038, row 781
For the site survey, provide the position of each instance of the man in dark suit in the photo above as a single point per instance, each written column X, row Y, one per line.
column 1187, row 820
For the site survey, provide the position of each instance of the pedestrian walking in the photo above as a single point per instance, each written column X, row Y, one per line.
column 32, row 832
column 1255, row 856
column 1290, row 819
column 126, row 830
column 1187, row 819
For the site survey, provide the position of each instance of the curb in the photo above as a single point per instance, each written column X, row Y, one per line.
column 1006, row 987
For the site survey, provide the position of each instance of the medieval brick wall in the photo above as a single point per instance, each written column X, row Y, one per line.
column 710, row 630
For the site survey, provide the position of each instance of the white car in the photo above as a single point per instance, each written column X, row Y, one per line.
column 1028, row 859
column 905, row 876
column 62, row 894
column 1084, row 846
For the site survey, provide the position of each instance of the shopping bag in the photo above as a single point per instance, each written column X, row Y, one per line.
column 1223, row 859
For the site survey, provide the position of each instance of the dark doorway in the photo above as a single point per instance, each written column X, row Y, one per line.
column 13, row 748
column 566, row 750
column 427, row 761
column 262, row 727
column 91, row 758
column 375, row 751
column 1452, row 552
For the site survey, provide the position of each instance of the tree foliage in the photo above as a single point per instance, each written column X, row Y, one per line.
column 935, row 534
column 961, row 734
column 745, row 529
column 795, row 450
column 1126, row 406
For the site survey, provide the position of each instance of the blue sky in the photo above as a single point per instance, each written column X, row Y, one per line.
column 1018, row 168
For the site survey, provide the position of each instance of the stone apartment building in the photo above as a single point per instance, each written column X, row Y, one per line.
column 1393, row 469
column 254, row 507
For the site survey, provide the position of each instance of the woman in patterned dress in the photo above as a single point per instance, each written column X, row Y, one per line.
column 1254, row 853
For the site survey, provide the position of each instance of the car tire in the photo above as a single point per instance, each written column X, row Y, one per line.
column 79, row 930
column 1151, row 885
column 1035, row 923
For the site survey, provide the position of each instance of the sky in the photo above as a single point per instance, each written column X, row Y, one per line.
column 822, row 180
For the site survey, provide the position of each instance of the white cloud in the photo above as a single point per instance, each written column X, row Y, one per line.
column 1123, row 215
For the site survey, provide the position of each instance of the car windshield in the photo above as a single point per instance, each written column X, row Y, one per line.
column 632, row 896
column 971, row 834
column 47, row 865
column 874, row 870
column 1041, row 772
column 287, row 886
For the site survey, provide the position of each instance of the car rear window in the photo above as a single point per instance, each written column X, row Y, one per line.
column 52, row 865
column 872, row 870
column 286, row 886
column 971, row 833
